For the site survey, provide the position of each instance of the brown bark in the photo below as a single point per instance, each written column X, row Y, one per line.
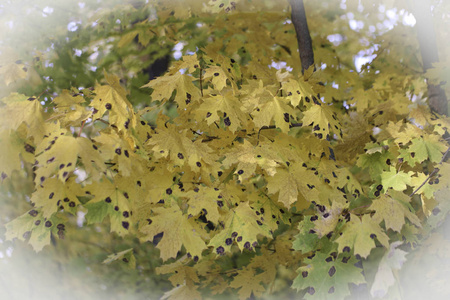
column 298, row 18
column 426, row 36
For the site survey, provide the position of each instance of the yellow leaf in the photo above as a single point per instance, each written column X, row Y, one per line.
column 178, row 230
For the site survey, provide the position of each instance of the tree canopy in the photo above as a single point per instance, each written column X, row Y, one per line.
column 216, row 149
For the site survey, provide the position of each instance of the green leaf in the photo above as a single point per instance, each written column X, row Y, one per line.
column 360, row 233
column 326, row 277
column 396, row 180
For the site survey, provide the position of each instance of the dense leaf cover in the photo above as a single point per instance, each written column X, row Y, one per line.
column 243, row 175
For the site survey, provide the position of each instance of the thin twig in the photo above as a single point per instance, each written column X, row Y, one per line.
column 432, row 173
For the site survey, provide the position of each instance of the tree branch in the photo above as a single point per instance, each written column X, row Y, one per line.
column 298, row 18
column 429, row 52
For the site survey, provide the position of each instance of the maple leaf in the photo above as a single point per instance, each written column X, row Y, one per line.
column 34, row 226
column 306, row 240
column 53, row 195
column 181, row 150
column 325, row 275
column 273, row 212
column 177, row 230
column 204, row 198
column 110, row 201
column 126, row 256
column 396, row 180
column 248, row 157
column 322, row 117
column 26, row 110
column 183, row 291
column 427, row 148
column 248, row 283
column 218, row 75
column 228, row 104
column 58, row 154
column 186, row 91
column 375, row 159
column 393, row 210
column 222, row 5
column 297, row 90
column 276, row 109
column 70, row 112
column 289, row 181
column 359, row 234
column 242, row 226
column 12, row 72
column 11, row 146
column 391, row 262
column 113, row 98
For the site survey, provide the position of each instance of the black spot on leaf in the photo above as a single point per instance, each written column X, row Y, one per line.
column 220, row 250
column 332, row 271
column 126, row 214
column 180, row 155
column 169, row 191
column 33, row 213
column 239, row 239
column 48, row 224
column 373, row 235
column 29, row 148
column 37, row 222
column 72, row 204
column 436, row 211
column 331, row 290
column 108, row 105
column 240, row 172
column 125, row 225
column 234, row 234
column 227, row 121
column 311, row 290
column 108, row 200
column 228, row 241
column 346, row 249
column 329, row 259
column 116, row 208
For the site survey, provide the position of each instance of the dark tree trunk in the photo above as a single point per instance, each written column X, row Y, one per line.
column 298, row 18
column 428, row 49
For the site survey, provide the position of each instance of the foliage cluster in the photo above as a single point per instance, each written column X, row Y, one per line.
column 241, row 177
